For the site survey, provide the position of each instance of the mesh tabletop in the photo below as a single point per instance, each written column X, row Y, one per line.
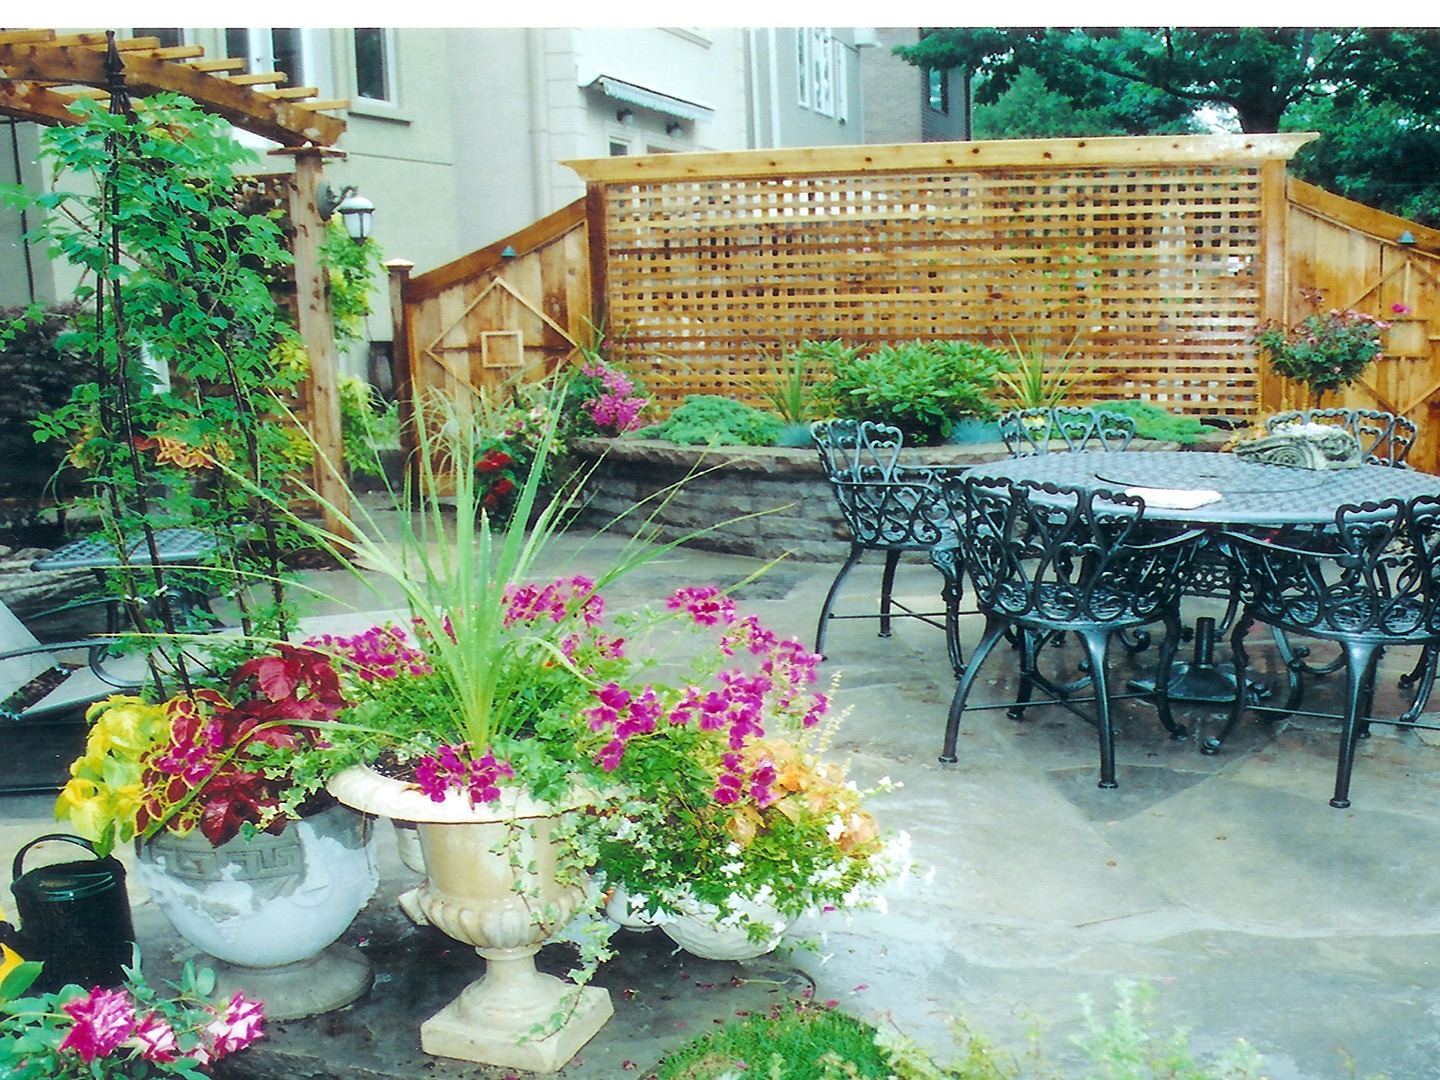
column 174, row 546
column 1250, row 493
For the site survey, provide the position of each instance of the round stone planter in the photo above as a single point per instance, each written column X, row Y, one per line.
column 700, row 931
column 269, row 910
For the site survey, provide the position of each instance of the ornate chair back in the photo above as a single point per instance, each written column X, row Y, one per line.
column 1038, row 431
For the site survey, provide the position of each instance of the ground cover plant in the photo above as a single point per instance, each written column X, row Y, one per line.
column 806, row 1040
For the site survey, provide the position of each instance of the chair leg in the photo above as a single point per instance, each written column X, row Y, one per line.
column 952, row 594
column 887, row 588
column 1361, row 657
column 1030, row 643
column 855, row 552
column 994, row 631
column 1096, row 642
column 1423, row 679
column 1168, row 648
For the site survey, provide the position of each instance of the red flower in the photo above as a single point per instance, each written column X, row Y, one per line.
column 493, row 462
column 498, row 490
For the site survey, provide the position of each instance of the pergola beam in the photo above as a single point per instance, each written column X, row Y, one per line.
column 79, row 60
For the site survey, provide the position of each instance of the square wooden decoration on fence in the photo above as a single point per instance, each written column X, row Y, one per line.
column 1408, row 337
column 502, row 348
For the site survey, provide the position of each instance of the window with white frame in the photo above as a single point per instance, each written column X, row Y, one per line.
column 842, row 83
column 822, row 70
column 375, row 64
column 299, row 52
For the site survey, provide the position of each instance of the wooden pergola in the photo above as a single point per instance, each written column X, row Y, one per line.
column 44, row 73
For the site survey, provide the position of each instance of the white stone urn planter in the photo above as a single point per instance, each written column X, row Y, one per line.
column 270, row 909
column 701, row 931
column 491, row 881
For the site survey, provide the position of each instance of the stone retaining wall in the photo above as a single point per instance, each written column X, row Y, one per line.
column 782, row 495
column 760, row 501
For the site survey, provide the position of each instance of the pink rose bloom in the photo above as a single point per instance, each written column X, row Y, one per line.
column 103, row 1020
column 238, row 1027
column 156, row 1039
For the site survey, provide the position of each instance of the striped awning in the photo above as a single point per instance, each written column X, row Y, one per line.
column 651, row 99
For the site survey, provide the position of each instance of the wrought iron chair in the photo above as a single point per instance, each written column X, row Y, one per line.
column 888, row 507
column 1046, row 560
column 1368, row 584
column 1036, row 431
column 1385, row 439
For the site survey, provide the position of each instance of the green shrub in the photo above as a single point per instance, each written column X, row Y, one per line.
column 1154, row 422
column 367, row 425
column 806, row 1041
column 921, row 387
column 706, row 419
column 40, row 373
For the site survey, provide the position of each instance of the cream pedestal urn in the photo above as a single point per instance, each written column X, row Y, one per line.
column 491, row 882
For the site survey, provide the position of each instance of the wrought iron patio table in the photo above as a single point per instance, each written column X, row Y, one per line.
column 176, row 547
column 1250, row 495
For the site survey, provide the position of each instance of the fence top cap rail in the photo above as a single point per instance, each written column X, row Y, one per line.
column 1007, row 153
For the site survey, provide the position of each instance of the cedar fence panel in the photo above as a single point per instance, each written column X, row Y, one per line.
column 1346, row 255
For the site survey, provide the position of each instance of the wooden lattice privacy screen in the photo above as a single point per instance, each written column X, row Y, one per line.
column 1146, row 252
column 1160, row 256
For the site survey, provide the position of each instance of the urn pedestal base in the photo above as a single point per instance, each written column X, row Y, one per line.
column 331, row 980
column 494, row 1018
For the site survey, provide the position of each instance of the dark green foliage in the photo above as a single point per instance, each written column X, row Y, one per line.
column 921, row 387
column 1373, row 94
column 1154, row 422
column 706, row 419
column 41, row 370
column 801, row 1041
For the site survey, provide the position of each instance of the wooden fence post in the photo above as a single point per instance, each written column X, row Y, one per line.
column 402, row 347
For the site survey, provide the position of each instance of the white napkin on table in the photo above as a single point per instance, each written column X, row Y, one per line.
column 1175, row 498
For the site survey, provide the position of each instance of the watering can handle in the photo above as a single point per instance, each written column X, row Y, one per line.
column 19, row 865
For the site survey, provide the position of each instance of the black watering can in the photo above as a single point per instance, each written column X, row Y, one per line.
column 74, row 918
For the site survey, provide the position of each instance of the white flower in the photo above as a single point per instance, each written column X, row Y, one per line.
column 835, row 830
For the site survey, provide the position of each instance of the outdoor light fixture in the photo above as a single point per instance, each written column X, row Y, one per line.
column 674, row 128
column 625, row 116
column 354, row 209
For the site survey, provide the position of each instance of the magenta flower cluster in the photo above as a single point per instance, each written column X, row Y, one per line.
column 556, row 601
column 106, row 1021
column 448, row 769
column 382, row 652
column 736, row 705
column 617, row 406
